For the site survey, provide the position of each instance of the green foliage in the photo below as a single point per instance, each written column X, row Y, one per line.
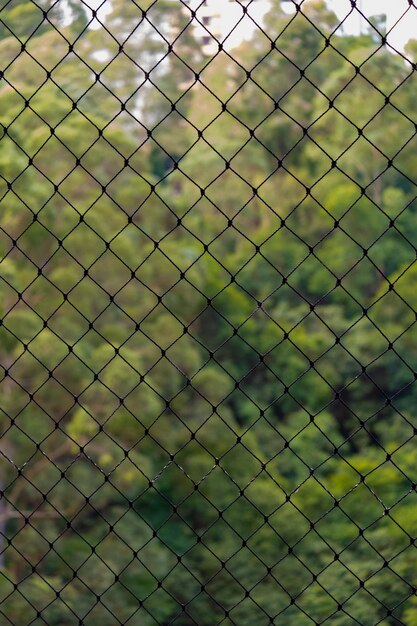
column 182, row 348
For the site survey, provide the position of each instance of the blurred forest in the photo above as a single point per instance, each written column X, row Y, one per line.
column 208, row 304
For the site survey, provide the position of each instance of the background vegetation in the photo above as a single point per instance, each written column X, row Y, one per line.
column 208, row 303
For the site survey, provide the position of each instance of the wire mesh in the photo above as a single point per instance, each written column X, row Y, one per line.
column 208, row 313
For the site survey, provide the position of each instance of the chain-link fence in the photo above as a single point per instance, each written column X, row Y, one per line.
column 208, row 281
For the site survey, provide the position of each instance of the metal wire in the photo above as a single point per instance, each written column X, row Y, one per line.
column 208, row 316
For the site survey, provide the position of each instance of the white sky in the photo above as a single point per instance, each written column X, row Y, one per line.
column 395, row 11
column 231, row 11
